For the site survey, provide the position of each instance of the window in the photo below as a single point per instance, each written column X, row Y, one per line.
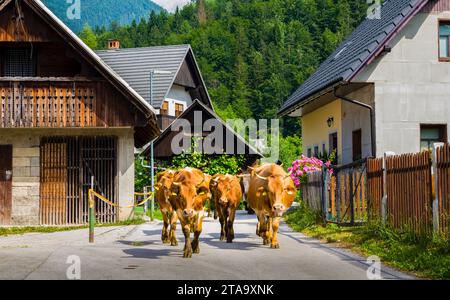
column 309, row 154
column 19, row 62
column 333, row 144
column 316, row 151
column 357, row 144
column 179, row 108
column 430, row 134
column 444, row 40
column 165, row 108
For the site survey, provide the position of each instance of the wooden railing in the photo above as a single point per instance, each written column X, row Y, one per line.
column 47, row 104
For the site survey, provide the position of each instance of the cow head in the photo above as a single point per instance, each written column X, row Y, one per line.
column 279, row 189
column 191, row 193
column 223, row 188
column 164, row 183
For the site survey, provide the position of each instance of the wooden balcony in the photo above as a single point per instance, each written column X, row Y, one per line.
column 48, row 102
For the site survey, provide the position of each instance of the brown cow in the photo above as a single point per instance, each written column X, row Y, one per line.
column 162, row 196
column 190, row 192
column 227, row 194
column 271, row 194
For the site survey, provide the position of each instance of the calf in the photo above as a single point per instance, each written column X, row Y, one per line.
column 162, row 195
column 271, row 194
column 227, row 195
column 190, row 192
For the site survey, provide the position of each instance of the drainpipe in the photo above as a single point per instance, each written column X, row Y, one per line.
column 372, row 117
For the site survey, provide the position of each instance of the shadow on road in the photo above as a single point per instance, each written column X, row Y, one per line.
column 153, row 253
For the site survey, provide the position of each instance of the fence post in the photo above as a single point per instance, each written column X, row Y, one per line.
column 352, row 198
column 91, row 214
column 384, row 200
column 325, row 192
column 434, row 172
column 145, row 196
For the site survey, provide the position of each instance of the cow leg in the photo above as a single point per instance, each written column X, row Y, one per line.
column 222, row 220
column 230, row 229
column 197, row 232
column 173, row 228
column 259, row 227
column 187, row 238
column 275, row 226
column 265, row 231
column 165, row 231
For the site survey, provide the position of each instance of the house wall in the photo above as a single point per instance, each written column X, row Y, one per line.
column 26, row 170
column 315, row 129
column 178, row 95
column 411, row 86
column 355, row 117
column 348, row 117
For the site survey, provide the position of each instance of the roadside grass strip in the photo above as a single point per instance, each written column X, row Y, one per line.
column 424, row 256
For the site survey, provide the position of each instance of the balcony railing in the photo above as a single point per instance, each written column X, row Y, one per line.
column 47, row 103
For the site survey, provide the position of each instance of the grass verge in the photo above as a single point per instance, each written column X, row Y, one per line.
column 49, row 229
column 423, row 256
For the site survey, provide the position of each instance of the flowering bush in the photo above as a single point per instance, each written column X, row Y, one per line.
column 301, row 167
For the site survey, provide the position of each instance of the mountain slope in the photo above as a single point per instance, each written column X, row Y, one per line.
column 98, row 13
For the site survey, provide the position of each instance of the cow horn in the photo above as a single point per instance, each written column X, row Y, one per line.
column 176, row 183
column 289, row 174
column 263, row 178
column 243, row 175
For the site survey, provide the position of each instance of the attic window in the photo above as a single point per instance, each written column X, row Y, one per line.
column 444, row 40
column 19, row 62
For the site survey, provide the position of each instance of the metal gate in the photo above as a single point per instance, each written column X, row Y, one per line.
column 67, row 166
column 348, row 194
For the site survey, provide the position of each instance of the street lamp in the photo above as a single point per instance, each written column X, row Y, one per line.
column 152, row 157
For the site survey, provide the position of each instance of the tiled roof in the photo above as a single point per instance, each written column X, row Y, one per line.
column 356, row 51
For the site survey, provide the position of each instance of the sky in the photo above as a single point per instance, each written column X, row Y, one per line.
column 171, row 5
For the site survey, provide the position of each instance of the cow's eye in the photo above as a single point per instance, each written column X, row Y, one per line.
column 290, row 192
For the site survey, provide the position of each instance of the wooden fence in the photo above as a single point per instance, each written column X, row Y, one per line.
column 312, row 192
column 398, row 190
column 409, row 192
column 443, row 186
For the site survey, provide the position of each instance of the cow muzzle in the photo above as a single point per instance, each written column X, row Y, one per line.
column 279, row 210
column 223, row 201
column 188, row 213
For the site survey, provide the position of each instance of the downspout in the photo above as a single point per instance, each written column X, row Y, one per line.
column 372, row 117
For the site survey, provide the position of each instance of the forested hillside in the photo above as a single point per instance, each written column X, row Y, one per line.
column 98, row 13
column 253, row 53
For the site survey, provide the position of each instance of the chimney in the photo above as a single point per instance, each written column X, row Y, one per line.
column 113, row 44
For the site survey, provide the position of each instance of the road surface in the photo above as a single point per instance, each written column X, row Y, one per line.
column 136, row 252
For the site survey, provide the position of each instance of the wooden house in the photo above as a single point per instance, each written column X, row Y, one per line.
column 65, row 117
column 196, row 116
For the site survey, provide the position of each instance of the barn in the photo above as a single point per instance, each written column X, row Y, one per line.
column 65, row 117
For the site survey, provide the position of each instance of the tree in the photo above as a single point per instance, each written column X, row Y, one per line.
column 88, row 36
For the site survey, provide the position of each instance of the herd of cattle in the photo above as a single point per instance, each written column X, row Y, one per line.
column 182, row 195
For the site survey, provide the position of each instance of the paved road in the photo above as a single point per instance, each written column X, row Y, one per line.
column 136, row 252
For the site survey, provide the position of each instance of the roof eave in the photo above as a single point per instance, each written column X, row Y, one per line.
column 310, row 97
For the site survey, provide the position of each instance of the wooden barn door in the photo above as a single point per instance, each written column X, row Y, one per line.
column 5, row 184
column 53, row 204
column 67, row 166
